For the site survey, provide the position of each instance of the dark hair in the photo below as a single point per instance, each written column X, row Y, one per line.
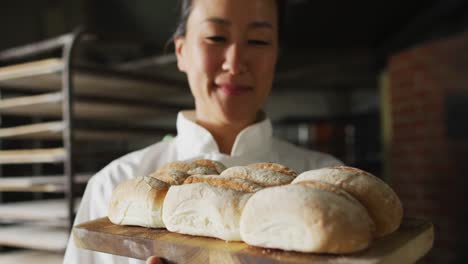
column 186, row 8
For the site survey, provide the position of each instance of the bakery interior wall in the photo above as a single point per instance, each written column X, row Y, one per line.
column 428, row 106
column 335, row 90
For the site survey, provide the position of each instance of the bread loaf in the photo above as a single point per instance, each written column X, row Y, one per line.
column 378, row 198
column 204, row 210
column 138, row 202
column 306, row 218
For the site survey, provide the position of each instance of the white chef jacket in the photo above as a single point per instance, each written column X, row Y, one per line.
column 253, row 144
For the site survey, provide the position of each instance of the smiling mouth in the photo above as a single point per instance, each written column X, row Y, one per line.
column 234, row 89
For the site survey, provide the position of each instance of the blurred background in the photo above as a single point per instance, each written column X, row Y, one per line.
column 381, row 85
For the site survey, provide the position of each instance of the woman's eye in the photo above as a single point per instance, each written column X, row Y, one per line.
column 258, row 42
column 216, row 39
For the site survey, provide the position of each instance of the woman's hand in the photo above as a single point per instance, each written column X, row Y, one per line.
column 154, row 260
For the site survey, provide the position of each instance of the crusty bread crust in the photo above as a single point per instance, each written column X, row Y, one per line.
column 217, row 167
column 274, row 166
column 225, row 182
column 155, row 183
column 172, row 177
column 175, row 173
column 330, row 188
column 183, row 166
column 262, row 177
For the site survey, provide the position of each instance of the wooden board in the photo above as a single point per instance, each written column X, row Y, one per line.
column 38, row 183
column 413, row 240
column 23, row 156
column 50, row 105
column 53, row 131
column 31, row 256
column 45, row 75
column 34, row 237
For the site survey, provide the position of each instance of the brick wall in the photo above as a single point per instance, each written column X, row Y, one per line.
column 428, row 167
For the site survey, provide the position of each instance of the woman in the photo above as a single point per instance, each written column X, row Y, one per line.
column 228, row 49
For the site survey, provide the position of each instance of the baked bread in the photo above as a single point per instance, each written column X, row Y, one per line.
column 138, row 202
column 225, row 182
column 262, row 176
column 378, row 198
column 308, row 217
column 175, row 173
column 204, row 210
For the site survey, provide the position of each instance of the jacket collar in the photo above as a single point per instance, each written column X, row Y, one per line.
column 194, row 140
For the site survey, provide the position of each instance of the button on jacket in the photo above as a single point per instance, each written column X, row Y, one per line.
column 253, row 144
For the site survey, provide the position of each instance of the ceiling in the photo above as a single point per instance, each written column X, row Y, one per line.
column 308, row 24
column 339, row 23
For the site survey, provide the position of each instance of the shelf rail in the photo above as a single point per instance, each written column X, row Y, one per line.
column 68, row 117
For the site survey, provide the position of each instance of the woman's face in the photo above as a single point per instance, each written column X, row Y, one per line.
column 229, row 55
